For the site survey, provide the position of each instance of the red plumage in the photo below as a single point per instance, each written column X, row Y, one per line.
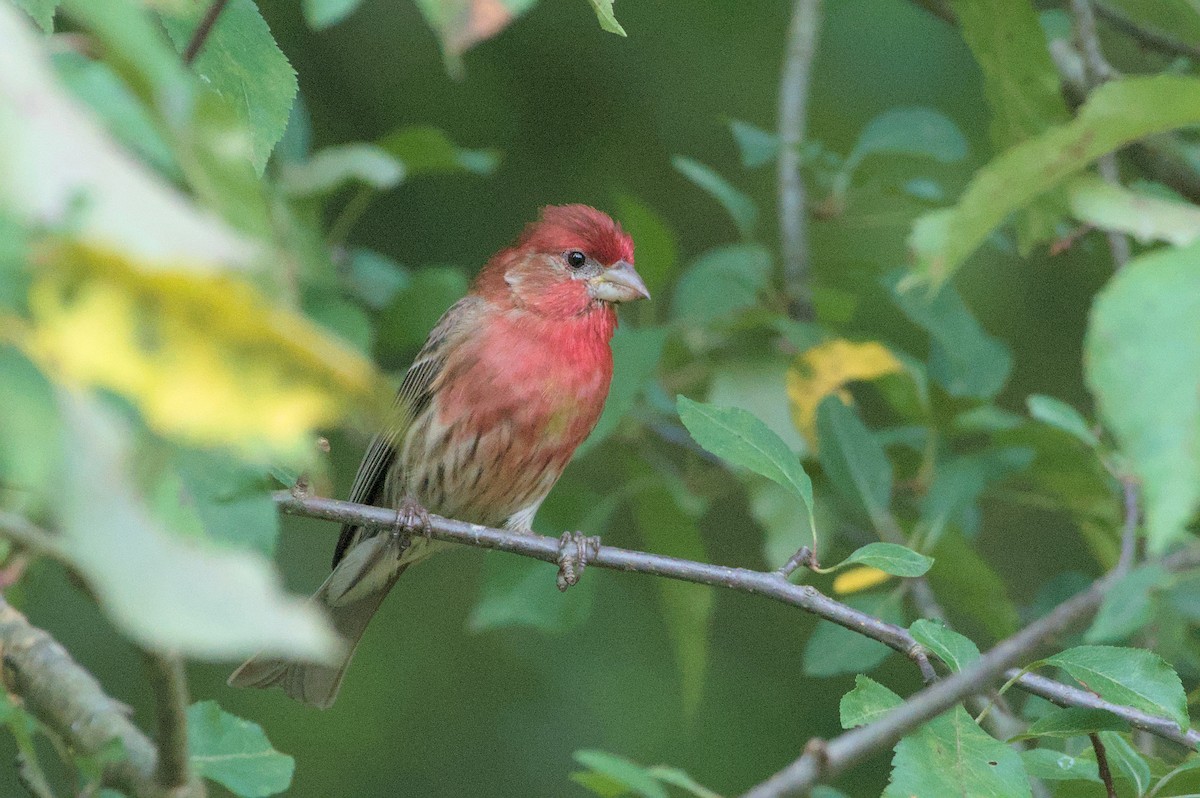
column 511, row 380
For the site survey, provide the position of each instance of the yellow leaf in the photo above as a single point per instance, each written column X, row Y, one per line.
column 825, row 369
column 205, row 357
column 859, row 578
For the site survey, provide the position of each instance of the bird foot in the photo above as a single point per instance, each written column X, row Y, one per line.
column 411, row 518
column 574, row 551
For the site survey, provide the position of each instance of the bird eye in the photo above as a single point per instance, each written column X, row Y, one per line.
column 576, row 259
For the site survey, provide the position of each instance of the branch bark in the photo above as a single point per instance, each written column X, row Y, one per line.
column 169, row 682
column 70, row 702
column 793, row 115
column 775, row 586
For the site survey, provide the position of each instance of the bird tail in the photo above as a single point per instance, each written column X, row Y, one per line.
column 351, row 595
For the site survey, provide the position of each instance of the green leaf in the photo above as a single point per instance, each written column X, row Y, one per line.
column 758, row 386
column 405, row 323
column 657, row 245
column 31, row 452
column 757, row 147
column 780, row 512
column 604, row 13
column 856, row 463
column 866, row 703
column 681, row 779
column 959, row 482
column 322, row 14
column 913, row 131
column 962, row 579
column 241, row 61
column 636, row 354
column 429, row 151
column 721, row 283
column 951, row 755
column 687, row 609
column 375, row 279
column 632, row 776
column 1128, row 605
column 949, row 646
column 739, row 206
column 42, row 12
column 235, row 753
column 1073, row 722
column 332, row 168
column 1115, row 114
column 1147, row 218
column 1061, row 415
column 890, row 558
column 1044, row 763
column 231, row 500
column 834, row 650
column 1146, row 379
column 963, row 358
column 1131, row 676
column 1172, row 18
column 1021, row 85
column 1125, row 761
column 743, row 440
column 520, row 592
column 233, row 606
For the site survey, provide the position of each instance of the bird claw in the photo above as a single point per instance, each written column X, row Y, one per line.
column 411, row 518
column 574, row 551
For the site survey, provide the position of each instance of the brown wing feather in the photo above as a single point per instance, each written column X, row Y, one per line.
column 412, row 400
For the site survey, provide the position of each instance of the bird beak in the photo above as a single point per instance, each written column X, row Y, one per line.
column 618, row 283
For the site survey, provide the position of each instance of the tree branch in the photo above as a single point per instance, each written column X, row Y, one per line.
column 793, row 115
column 771, row 585
column 200, row 35
column 169, row 682
column 72, row 704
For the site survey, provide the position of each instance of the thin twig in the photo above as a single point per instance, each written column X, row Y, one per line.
column 1153, row 39
column 769, row 584
column 169, row 682
column 793, row 115
column 1102, row 765
column 1129, row 494
column 200, row 35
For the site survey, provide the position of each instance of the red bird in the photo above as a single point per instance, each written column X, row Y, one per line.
column 509, row 383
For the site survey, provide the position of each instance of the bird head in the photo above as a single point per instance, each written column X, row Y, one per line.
column 572, row 259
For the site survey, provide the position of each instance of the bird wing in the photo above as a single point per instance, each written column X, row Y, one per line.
column 413, row 398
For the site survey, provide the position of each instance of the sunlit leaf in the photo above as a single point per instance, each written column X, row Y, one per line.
column 858, row 579
column 604, row 13
column 1147, row 218
column 738, row 205
column 1115, row 114
column 205, row 358
column 681, row 779
column 866, row 703
column 951, row 755
column 427, row 150
column 42, row 12
column 826, row 368
column 1134, row 677
column 241, row 61
column 949, row 646
column 30, row 436
column 332, row 168
column 963, row 358
column 52, row 153
column 165, row 591
column 235, row 753
column 1143, row 366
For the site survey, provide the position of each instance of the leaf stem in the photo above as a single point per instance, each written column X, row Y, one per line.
column 200, row 35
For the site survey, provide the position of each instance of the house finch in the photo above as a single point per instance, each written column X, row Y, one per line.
column 509, row 383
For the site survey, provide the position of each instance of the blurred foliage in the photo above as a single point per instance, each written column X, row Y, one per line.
column 213, row 274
